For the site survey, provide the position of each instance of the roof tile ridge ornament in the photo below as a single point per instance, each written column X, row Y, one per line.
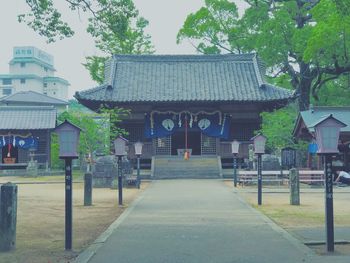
column 257, row 71
column 110, row 67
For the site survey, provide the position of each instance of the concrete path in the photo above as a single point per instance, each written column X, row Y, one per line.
column 198, row 221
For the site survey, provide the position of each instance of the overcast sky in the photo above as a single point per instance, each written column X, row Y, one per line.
column 165, row 19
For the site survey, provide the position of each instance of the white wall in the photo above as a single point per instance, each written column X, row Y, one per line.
column 57, row 90
column 31, row 68
column 30, row 84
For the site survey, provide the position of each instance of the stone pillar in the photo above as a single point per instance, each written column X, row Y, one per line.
column 294, row 187
column 8, row 217
column 88, row 189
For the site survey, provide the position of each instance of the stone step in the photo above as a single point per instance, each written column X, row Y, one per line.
column 187, row 163
column 177, row 167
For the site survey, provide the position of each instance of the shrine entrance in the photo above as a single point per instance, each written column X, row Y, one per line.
column 193, row 143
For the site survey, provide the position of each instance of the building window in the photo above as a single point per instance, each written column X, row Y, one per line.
column 54, row 93
column 46, row 69
column 6, row 92
column 45, row 93
column 45, row 85
column 23, row 64
column 7, row 81
column 23, row 81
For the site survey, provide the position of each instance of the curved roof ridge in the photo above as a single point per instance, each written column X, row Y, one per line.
column 230, row 77
column 33, row 96
column 92, row 90
column 27, row 107
column 183, row 57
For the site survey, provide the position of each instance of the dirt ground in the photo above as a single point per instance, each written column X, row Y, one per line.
column 309, row 214
column 40, row 220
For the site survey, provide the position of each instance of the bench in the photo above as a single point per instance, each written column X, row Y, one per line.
column 311, row 177
column 249, row 177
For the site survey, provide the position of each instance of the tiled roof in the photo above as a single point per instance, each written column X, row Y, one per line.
column 27, row 118
column 32, row 97
column 315, row 114
column 173, row 78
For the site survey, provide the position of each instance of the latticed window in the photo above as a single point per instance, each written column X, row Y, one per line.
column 208, row 145
column 136, row 132
column 162, row 145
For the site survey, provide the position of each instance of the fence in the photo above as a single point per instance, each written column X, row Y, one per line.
column 281, row 177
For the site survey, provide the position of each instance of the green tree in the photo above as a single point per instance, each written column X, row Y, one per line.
column 112, row 119
column 214, row 26
column 308, row 41
column 334, row 93
column 117, row 29
column 114, row 24
column 277, row 126
column 94, row 136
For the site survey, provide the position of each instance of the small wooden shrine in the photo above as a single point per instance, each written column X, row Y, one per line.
column 25, row 134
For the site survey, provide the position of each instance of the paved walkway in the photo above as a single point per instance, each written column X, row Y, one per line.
column 198, row 221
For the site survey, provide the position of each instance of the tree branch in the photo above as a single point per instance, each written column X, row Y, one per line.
column 211, row 40
column 319, row 83
column 82, row 4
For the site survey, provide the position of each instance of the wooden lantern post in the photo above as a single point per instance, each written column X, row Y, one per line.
column 327, row 132
column 235, row 150
column 138, row 152
column 120, row 151
column 259, row 150
column 68, row 137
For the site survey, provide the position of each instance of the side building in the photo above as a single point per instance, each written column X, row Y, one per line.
column 32, row 69
column 304, row 130
column 25, row 131
column 32, row 98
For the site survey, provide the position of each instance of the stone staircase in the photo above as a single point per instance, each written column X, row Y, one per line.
column 175, row 167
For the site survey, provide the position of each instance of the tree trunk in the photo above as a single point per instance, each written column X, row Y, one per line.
column 304, row 86
column 304, row 98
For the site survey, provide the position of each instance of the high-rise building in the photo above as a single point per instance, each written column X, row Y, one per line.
column 32, row 69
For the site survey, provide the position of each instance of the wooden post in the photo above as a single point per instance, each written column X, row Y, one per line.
column 259, row 179
column 8, row 217
column 88, row 189
column 294, row 187
column 120, row 181
column 68, row 204
column 329, row 202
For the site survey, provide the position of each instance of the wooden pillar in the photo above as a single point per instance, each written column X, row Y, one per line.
column 8, row 217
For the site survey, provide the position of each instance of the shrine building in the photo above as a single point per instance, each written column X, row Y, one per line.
column 198, row 103
column 304, row 130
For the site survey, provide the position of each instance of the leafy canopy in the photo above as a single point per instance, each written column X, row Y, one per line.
column 308, row 41
column 117, row 29
column 115, row 26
